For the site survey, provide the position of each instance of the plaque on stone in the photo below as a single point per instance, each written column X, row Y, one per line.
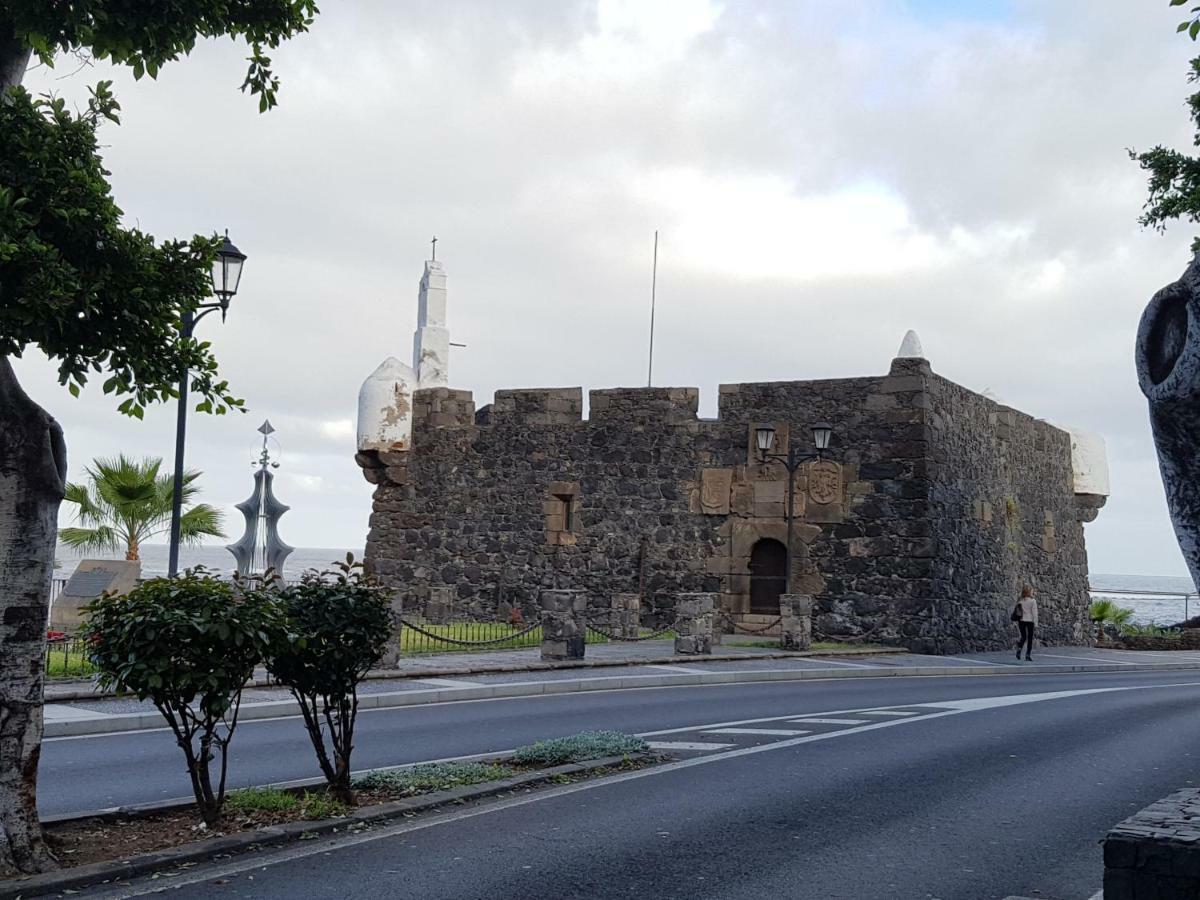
column 92, row 577
column 825, row 482
column 714, row 491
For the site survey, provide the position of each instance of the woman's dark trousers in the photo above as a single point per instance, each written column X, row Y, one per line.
column 1026, row 638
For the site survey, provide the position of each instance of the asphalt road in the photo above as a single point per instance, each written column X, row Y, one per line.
column 954, row 802
column 96, row 772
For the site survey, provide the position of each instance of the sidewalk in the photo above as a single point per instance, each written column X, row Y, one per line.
column 72, row 709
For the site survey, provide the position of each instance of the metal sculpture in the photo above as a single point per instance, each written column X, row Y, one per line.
column 259, row 549
column 1168, row 367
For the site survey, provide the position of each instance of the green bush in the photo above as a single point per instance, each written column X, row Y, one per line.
column 336, row 626
column 578, row 747
column 188, row 645
column 1158, row 631
column 432, row 777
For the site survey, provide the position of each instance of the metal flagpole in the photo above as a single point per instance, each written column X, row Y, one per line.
column 653, row 292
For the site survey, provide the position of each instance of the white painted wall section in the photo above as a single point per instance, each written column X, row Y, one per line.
column 385, row 407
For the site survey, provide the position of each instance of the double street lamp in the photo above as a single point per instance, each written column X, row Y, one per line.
column 764, row 439
column 226, row 273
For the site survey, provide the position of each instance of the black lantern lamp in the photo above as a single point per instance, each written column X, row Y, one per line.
column 226, row 273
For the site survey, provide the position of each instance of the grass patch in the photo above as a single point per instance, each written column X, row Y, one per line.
column 62, row 662
column 578, row 747
column 415, row 642
column 322, row 806
column 250, row 800
column 432, row 777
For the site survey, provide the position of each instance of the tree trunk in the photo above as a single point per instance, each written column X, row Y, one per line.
column 32, row 480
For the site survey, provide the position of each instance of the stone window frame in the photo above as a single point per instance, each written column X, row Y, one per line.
column 561, row 509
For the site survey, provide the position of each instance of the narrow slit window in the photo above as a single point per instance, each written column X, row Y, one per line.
column 567, row 511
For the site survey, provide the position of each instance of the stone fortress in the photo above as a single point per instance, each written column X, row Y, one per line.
column 932, row 507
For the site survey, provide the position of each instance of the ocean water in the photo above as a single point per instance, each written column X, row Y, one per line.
column 215, row 558
column 1176, row 601
column 1170, row 601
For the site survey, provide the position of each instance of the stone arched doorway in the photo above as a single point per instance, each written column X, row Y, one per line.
column 768, row 567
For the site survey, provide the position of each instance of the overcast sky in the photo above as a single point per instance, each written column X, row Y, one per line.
column 824, row 176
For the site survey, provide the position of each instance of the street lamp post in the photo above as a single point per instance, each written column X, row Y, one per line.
column 764, row 439
column 226, row 273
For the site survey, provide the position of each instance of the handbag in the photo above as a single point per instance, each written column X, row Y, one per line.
column 1016, row 613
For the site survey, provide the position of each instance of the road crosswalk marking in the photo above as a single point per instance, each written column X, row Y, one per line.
column 785, row 732
column 689, row 745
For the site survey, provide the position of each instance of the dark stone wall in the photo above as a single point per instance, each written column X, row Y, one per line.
column 1004, row 512
column 906, row 538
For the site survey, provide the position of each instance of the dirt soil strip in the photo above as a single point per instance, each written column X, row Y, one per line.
column 204, row 850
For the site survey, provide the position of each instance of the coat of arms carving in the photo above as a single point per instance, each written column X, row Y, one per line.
column 825, row 482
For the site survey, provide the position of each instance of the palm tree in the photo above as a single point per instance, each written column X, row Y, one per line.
column 1106, row 612
column 126, row 502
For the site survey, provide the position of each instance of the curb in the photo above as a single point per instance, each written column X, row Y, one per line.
column 123, row 722
column 532, row 666
column 273, row 835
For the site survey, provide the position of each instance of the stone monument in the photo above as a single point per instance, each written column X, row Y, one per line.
column 92, row 578
column 1168, row 368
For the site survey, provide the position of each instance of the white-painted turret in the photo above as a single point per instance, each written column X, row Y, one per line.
column 1089, row 461
column 910, row 347
column 385, row 399
column 385, row 407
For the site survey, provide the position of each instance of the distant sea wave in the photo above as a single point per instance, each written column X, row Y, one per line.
column 1159, row 610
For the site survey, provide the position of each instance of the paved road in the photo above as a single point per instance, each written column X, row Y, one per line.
column 953, row 788
column 948, row 789
column 95, row 772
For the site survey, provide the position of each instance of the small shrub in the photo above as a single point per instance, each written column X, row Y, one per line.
column 579, row 747
column 336, row 625
column 1105, row 613
column 432, row 777
column 323, row 806
column 189, row 645
column 1158, row 631
column 261, row 800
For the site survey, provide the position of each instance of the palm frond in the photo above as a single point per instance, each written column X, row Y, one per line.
column 199, row 522
column 93, row 540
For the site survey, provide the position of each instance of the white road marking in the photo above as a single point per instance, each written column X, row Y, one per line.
column 689, row 670
column 782, row 732
column 687, row 745
column 893, row 712
column 810, row 720
column 449, row 682
column 1103, row 659
column 834, row 662
column 302, row 851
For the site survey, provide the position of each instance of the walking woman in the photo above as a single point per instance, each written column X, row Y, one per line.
column 1027, row 609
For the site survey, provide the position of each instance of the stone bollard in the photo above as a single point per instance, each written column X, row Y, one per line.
column 439, row 608
column 391, row 654
column 564, row 624
column 795, row 627
column 626, row 615
column 694, row 623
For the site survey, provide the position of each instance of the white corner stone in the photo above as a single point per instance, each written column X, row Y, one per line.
column 1089, row 461
column 385, row 407
column 910, row 347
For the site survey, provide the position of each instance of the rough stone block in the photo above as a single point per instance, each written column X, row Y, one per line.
column 564, row 624
column 694, row 623
column 795, row 625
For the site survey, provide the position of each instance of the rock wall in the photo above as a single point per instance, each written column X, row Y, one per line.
column 903, row 533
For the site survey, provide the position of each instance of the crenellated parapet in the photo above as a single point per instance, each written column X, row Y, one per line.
column 932, row 506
